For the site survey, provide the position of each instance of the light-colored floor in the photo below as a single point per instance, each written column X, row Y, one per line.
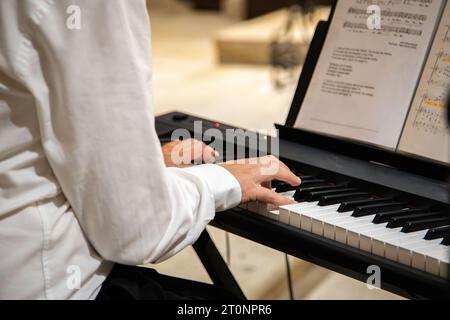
column 187, row 78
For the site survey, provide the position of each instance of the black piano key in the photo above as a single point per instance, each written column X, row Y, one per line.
column 375, row 208
column 317, row 195
column 305, row 177
column 276, row 183
column 284, row 187
column 314, row 182
column 302, row 192
column 400, row 221
column 384, row 217
column 418, row 225
column 352, row 205
column 446, row 241
column 338, row 198
column 437, row 233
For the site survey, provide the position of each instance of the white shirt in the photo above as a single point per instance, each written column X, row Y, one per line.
column 82, row 179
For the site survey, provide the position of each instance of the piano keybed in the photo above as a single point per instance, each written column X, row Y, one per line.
column 383, row 223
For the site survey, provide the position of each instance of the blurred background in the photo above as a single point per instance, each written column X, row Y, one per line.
column 238, row 61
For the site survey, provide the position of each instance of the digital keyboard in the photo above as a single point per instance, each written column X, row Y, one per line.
column 349, row 214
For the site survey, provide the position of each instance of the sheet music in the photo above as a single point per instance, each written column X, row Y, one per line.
column 365, row 79
column 426, row 131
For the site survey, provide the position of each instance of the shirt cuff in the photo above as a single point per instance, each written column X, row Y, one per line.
column 223, row 185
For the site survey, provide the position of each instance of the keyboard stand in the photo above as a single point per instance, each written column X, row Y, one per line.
column 215, row 266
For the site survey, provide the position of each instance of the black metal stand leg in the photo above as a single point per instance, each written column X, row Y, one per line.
column 215, row 265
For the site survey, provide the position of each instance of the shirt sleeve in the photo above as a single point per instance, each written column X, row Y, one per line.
column 97, row 128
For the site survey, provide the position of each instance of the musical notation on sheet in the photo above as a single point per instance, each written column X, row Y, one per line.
column 365, row 79
column 430, row 116
column 395, row 19
column 426, row 131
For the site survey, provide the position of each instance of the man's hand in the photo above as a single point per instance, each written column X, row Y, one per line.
column 182, row 153
column 255, row 175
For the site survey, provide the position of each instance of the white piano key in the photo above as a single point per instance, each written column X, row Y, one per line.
column 397, row 238
column 382, row 232
column 405, row 252
column 294, row 219
column 329, row 223
column 428, row 258
column 380, row 242
column 419, row 255
column 372, row 237
column 299, row 206
column 362, row 227
column 274, row 214
column 444, row 267
column 297, row 211
column 342, row 227
column 294, row 212
column 291, row 213
column 354, row 236
column 378, row 247
column 304, row 205
column 436, row 260
column 288, row 194
column 283, row 214
column 307, row 216
column 263, row 208
column 365, row 242
column 253, row 206
column 305, row 212
column 432, row 265
column 319, row 220
column 394, row 241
